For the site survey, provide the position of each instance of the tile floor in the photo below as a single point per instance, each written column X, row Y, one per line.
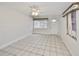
column 37, row 45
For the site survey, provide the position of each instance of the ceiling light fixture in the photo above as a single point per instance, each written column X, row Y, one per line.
column 54, row 20
column 35, row 12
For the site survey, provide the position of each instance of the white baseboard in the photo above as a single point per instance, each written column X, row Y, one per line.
column 11, row 42
column 67, row 45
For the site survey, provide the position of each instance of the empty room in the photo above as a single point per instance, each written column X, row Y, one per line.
column 39, row 28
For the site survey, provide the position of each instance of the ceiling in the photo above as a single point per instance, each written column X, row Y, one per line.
column 54, row 9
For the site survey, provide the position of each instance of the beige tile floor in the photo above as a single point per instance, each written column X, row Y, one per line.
column 37, row 45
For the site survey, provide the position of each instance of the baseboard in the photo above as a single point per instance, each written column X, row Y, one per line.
column 44, row 33
column 11, row 42
column 67, row 46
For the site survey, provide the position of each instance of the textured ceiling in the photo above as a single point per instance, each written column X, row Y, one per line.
column 53, row 9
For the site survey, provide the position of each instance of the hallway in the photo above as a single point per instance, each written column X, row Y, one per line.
column 37, row 45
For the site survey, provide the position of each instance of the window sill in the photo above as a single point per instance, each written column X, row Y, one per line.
column 72, row 36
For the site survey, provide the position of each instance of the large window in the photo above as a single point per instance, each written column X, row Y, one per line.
column 70, row 14
column 40, row 23
column 71, row 24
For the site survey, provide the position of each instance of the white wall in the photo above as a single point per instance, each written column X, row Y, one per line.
column 73, row 45
column 53, row 27
column 13, row 25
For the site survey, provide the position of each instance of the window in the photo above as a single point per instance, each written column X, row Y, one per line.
column 71, row 24
column 73, row 19
column 40, row 23
column 70, row 15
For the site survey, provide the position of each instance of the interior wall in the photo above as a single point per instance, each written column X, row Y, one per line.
column 69, row 41
column 53, row 28
column 13, row 25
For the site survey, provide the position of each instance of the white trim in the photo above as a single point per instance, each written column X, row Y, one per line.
column 11, row 42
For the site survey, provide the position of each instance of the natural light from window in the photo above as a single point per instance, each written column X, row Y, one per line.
column 40, row 23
